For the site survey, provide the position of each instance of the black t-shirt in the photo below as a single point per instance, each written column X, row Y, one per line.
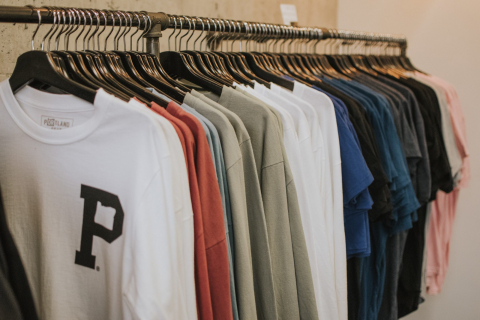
column 14, row 288
column 439, row 165
column 379, row 189
column 410, row 280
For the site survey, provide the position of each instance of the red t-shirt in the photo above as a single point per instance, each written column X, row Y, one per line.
column 212, row 214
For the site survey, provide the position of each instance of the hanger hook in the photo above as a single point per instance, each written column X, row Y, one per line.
column 123, row 31
column 179, row 31
column 97, row 17
column 193, row 31
column 54, row 26
column 266, row 36
column 278, row 30
column 203, row 29
column 70, row 28
column 61, row 13
column 148, row 26
column 261, row 36
column 38, row 26
column 234, row 36
column 128, row 31
column 136, row 31
column 144, row 17
column 218, row 37
column 115, row 41
column 104, row 15
column 189, row 28
column 73, row 29
column 271, row 36
column 239, row 35
column 84, row 24
column 54, row 34
column 251, row 36
column 212, row 38
column 50, row 30
column 88, row 31
column 206, row 35
column 223, row 35
column 111, row 30
column 228, row 36
column 174, row 29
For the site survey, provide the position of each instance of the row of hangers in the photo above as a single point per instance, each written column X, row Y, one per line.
column 273, row 54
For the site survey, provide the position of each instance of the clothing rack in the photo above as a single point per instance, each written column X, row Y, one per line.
column 159, row 21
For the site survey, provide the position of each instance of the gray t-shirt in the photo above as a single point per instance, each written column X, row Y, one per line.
column 243, row 265
column 262, row 127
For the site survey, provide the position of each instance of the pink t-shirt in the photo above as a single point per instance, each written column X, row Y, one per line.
column 444, row 207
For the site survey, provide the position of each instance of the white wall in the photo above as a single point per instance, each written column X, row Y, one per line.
column 443, row 39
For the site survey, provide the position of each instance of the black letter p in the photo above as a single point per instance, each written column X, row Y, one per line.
column 90, row 228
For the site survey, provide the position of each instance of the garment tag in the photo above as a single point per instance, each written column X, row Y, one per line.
column 56, row 123
column 289, row 13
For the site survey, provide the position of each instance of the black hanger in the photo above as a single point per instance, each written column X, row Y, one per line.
column 142, row 73
column 113, row 69
column 39, row 66
column 97, row 63
column 178, row 66
column 68, row 64
column 260, row 70
column 199, row 60
column 228, row 60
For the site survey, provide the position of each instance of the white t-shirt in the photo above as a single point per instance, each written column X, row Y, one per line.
column 315, row 227
column 315, row 131
column 86, row 198
column 183, row 213
column 333, row 187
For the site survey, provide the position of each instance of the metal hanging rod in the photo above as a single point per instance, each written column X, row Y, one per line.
column 28, row 14
column 161, row 21
column 224, row 29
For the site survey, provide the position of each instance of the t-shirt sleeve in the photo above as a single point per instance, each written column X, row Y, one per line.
column 356, row 176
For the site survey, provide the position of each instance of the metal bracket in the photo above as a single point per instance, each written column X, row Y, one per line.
column 153, row 40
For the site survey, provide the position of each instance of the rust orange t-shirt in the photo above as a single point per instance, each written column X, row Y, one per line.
column 212, row 215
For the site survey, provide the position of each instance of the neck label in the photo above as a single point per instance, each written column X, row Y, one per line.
column 55, row 123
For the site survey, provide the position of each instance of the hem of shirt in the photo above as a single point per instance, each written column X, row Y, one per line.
column 358, row 189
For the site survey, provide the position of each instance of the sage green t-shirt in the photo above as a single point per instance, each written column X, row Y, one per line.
column 262, row 127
